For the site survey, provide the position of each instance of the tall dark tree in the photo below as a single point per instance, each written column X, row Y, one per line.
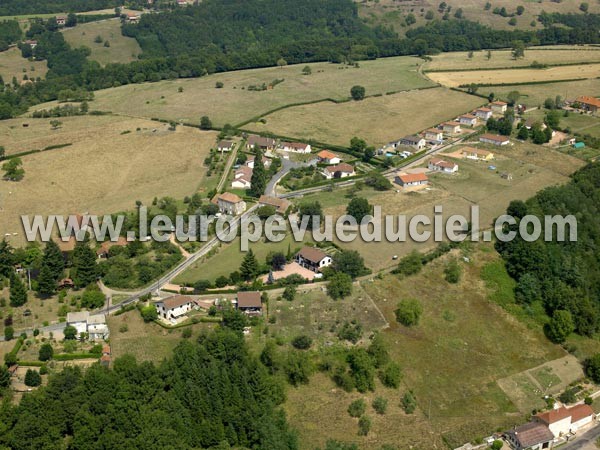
column 47, row 284
column 18, row 292
column 85, row 269
column 259, row 176
column 6, row 258
column 53, row 258
column 249, row 268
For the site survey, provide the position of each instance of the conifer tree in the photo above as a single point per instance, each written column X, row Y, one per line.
column 46, row 283
column 6, row 258
column 249, row 268
column 53, row 258
column 259, row 176
column 85, row 269
column 18, row 293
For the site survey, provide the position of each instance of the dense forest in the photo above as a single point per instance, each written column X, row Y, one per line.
column 562, row 276
column 15, row 7
column 210, row 394
column 10, row 32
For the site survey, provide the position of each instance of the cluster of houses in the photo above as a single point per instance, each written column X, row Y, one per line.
column 448, row 130
column 335, row 167
column 548, row 428
column 242, row 178
column 254, row 142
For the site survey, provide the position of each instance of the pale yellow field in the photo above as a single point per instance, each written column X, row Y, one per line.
column 503, row 58
column 235, row 103
column 455, row 79
column 104, row 171
column 12, row 64
column 122, row 49
column 377, row 120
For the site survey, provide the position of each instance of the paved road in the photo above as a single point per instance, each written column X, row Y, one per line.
column 286, row 166
column 585, row 441
column 228, row 166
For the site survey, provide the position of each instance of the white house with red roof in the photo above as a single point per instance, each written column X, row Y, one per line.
column 440, row 165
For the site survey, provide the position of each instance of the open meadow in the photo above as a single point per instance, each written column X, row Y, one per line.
column 452, row 360
column 234, row 102
column 12, row 64
column 500, row 76
column 558, row 54
column 121, row 49
column 392, row 13
column 108, row 165
column 377, row 120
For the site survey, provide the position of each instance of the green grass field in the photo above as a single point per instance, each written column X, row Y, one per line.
column 122, row 49
column 452, row 360
column 234, row 103
column 377, row 120
column 12, row 64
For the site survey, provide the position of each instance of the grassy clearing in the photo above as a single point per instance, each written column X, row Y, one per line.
column 503, row 58
column 229, row 257
column 234, row 103
column 103, row 171
column 122, row 49
column 534, row 95
column 498, row 76
column 12, row 64
column 378, row 120
column 451, row 360
column 147, row 342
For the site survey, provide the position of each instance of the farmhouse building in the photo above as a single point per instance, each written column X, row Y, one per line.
column 499, row 107
column 591, row 104
column 434, row 136
column 439, row 165
column 225, row 146
column 263, row 143
column 483, row 113
column 494, row 139
column 61, row 21
column 242, row 178
column 531, row 436
column 104, row 249
column 468, row 120
column 477, row 154
column 313, row 258
column 295, row 147
column 133, row 18
column 92, row 324
column 175, row 307
column 566, row 420
column 341, row 170
column 416, row 142
column 229, row 203
column 249, row 303
column 412, row 180
column 451, row 127
column 281, row 205
column 327, row 157
column 530, row 123
column 31, row 43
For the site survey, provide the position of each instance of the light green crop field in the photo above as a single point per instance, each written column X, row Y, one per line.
column 559, row 54
column 377, row 120
column 12, row 64
column 122, row 49
column 234, row 103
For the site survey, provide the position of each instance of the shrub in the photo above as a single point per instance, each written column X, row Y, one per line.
column 302, row 342
column 32, row 378
column 380, row 405
column 364, row 425
column 149, row 313
column 452, row 272
column 411, row 264
column 186, row 333
column 391, row 375
column 289, row 293
column 46, row 352
column 409, row 312
column 357, row 408
column 408, row 403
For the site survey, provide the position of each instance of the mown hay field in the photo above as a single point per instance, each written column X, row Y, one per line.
column 235, row 103
column 377, row 120
column 108, row 166
column 12, row 64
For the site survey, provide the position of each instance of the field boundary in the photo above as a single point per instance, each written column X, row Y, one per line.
column 531, row 66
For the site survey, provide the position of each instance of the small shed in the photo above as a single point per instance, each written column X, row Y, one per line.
column 579, row 145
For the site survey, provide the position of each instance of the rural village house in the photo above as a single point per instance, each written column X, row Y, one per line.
column 61, row 21
column 133, row 17
column 416, row 142
column 341, row 170
column 250, row 161
column 494, row 139
column 313, row 258
column 261, row 142
column 249, row 302
column 439, row 165
column 499, row 107
column 412, row 180
column 281, row 205
column 225, row 146
column 434, row 136
column 531, row 436
column 103, row 250
column 591, row 104
column 483, row 113
column 242, row 178
column 477, row 154
column 327, row 157
column 295, row 147
column 175, row 307
column 451, row 127
column 468, row 120
column 565, row 420
column 92, row 324
column 229, row 203
column 31, row 43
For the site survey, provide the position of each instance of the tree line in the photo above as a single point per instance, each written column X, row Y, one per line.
column 16, row 7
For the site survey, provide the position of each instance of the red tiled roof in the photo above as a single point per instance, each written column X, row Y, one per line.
column 588, row 100
column 342, row 167
column 442, row 163
column 326, row 154
column 229, row 197
column 494, row 137
column 578, row 412
column 175, row 301
column 312, row 254
column 249, row 299
column 412, row 177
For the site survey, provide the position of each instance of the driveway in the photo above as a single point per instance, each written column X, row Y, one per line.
column 286, row 166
